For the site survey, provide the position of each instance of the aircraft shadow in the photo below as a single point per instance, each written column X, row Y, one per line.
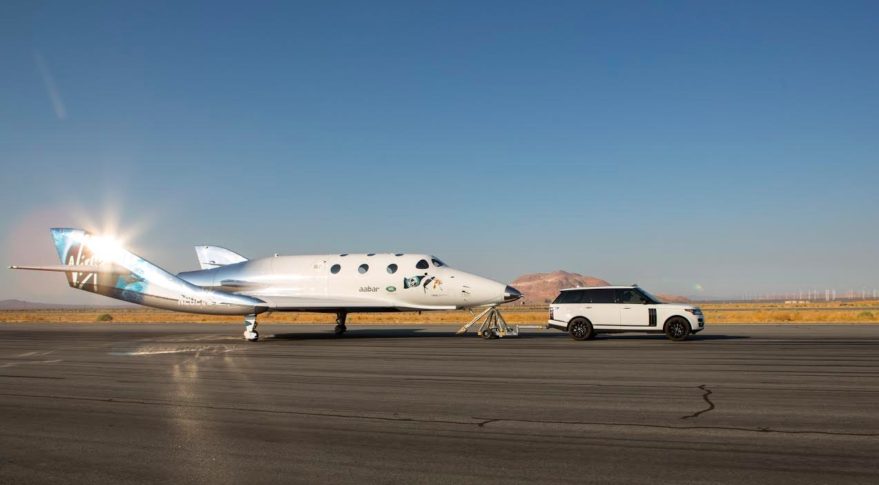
column 384, row 333
column 361, row 333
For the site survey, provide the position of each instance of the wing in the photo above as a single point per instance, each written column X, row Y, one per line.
column 76, row 268
column 210, row 257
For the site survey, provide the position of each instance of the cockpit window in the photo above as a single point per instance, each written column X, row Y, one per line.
column 436, row 262
column 422, row 264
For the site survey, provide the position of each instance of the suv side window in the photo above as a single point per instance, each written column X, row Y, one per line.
column 629, row 296
column 603, row 295
column 567, row 297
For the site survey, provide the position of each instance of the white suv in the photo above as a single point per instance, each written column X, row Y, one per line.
column 583, row 312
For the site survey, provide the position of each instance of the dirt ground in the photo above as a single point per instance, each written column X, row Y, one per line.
column 727, row 313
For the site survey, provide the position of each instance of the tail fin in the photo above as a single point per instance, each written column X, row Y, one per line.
column 101, row 265
column 117, row 273
column 75, row 250
column 210, row 257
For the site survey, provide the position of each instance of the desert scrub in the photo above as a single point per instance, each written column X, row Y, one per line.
column 104, row 317
column 784, row 316
column 866, row 315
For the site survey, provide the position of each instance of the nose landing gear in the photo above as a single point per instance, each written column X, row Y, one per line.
column 491, row 325
column 250, row 333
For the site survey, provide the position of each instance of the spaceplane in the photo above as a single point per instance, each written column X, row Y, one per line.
column 230, row 284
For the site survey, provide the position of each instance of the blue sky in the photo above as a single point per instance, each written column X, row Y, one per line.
column 693, row 147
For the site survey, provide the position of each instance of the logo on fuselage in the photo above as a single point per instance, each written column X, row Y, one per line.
column 391, row 289
column 368, row 289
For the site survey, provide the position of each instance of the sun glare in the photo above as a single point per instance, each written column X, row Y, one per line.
column 105, row 248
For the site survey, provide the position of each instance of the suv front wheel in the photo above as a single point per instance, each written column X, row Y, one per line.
column 580, row 329
column 677, row 329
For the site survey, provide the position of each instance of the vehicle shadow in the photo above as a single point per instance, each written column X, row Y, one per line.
column 694, row 338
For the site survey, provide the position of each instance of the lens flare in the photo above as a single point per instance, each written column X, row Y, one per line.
column 105, row 248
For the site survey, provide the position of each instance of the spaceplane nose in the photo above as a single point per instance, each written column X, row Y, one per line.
column 511, row 294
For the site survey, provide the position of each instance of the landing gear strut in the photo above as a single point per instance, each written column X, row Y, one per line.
column 340, row 323
column 250, row 332
column 492, row 325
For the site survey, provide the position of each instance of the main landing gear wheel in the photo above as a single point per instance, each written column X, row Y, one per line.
column 677, row 329
column 489, row 334
column 580, row 329
column 250, row 333
column 340, row 324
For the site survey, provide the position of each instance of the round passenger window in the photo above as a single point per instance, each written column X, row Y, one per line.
column 363, row 268
column 422, row 264
column 335, row 268
column 392, row 268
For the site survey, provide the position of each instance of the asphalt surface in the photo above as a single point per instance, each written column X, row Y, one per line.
column 194, row 403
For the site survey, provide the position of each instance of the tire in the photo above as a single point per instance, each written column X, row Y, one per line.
column 489, row 334
column 677, row 329
column 580, row 329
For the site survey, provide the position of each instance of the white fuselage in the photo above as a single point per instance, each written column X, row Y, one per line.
column 353, row 282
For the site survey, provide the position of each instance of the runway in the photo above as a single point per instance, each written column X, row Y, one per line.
column 195, row 403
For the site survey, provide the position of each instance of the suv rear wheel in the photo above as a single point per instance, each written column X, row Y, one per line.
column 677, row 329
column 580, row 329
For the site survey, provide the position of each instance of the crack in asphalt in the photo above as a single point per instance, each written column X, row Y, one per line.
column 486, row 421
column 706, row 393
column 479, row 422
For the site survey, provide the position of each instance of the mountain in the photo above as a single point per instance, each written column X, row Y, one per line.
column 541, row 288
column 24, row 305
column 665, row 297
column 30, row 305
